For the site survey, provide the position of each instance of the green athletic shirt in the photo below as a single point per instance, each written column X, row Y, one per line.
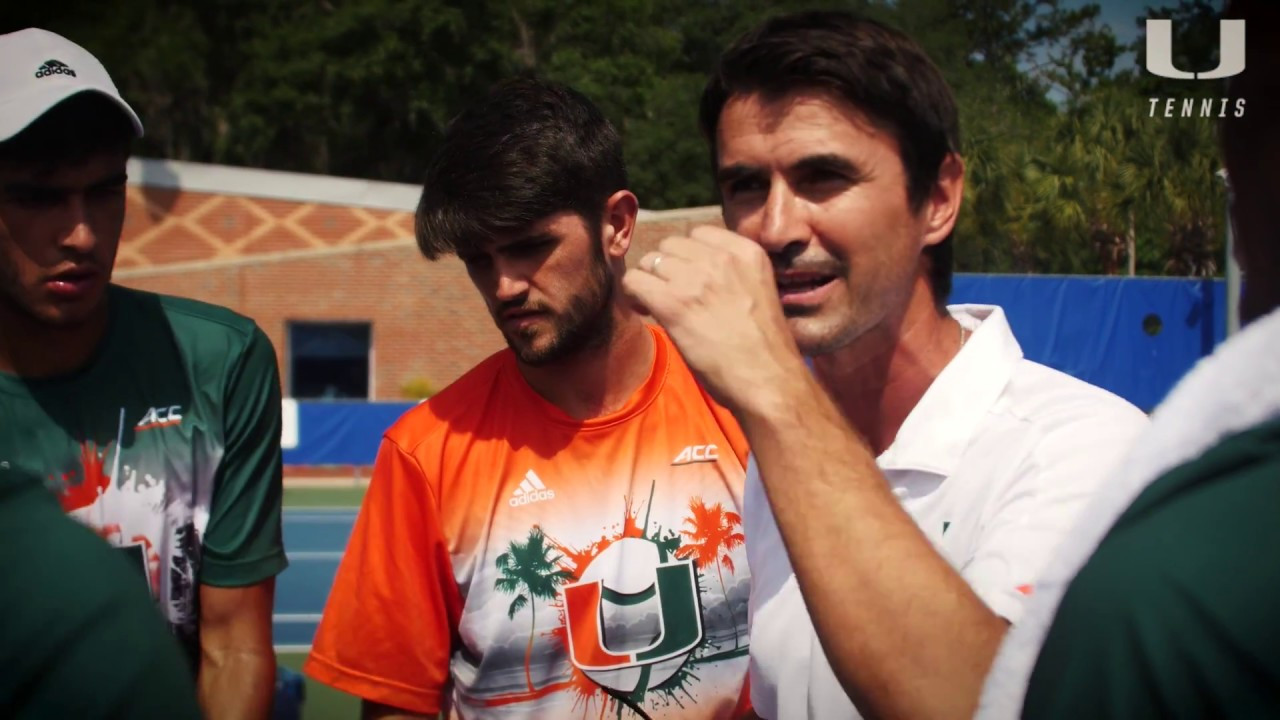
column 79, row 637
column 167, row 443
column 1175, row 614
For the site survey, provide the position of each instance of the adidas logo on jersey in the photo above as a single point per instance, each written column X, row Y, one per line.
column 54, row 67
column 531, row 490
column 696, row 454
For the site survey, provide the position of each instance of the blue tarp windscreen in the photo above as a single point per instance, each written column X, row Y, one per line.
column 1133, row 336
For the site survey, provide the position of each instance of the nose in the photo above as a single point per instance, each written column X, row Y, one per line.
column 79, row 237
column 511, row 284
column 784, row 219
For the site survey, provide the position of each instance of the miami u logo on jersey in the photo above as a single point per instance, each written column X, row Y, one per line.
column 610, row 619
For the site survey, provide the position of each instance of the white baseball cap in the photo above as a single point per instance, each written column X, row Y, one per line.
column 39, row 69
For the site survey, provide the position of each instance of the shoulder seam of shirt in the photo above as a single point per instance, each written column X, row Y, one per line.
column 242, row 325
column 1103, row 398
column 436, row 424
column 412, row 454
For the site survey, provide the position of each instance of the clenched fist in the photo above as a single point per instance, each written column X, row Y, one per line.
column 714, row 293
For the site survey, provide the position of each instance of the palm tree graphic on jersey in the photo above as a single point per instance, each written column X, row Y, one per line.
column 530, row 574
column 712, row 537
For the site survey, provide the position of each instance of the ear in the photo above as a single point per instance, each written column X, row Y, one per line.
column 942, row 207
column 620, row 212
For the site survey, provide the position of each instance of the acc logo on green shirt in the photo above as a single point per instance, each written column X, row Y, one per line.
column 160, row 417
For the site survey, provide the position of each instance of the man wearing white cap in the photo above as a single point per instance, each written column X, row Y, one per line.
column 155, row 420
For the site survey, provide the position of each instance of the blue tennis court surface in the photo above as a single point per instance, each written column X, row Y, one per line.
column 314, row 539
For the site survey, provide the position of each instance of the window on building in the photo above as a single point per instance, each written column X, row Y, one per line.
column 329, row 361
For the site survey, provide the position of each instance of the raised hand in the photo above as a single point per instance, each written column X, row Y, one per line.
column 715, row 294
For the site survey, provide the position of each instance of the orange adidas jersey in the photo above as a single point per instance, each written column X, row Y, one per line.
column 510, row 561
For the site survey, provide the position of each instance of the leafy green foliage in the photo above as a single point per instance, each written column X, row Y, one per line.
column 1067, row 169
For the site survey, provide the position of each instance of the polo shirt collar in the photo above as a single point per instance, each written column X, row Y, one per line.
column 940, row 427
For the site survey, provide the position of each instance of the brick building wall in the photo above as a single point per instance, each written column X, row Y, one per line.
column 284, row 248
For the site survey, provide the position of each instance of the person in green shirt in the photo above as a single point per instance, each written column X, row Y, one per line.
column 154, row 420
column 1162, row 602
column 79, row 635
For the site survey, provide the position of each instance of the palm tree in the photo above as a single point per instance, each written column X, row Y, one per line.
column 529, row 574
column 712, row 536
column 1114, row 171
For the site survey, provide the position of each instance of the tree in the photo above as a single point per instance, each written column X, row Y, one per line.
column 1114, row 174
column 1062, row 168
column 712, row 533
column 530, row 575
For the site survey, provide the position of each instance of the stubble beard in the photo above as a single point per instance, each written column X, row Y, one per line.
column 587, row 324
column 831, row 326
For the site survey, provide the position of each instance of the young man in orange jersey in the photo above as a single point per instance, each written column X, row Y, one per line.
column 558, row 532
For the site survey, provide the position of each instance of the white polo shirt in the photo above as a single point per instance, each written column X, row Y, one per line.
column 994, row 464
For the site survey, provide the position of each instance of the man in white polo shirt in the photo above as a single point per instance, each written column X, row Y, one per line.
column 908, row 480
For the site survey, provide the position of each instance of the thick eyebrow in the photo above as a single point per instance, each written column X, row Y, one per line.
column 733, row 173
column 829, row 162
column 824, row 162
column 37, row 188
column 525, row 240
column 112, row 181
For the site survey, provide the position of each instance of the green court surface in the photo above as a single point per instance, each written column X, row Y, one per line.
column 322, row 702
column 310, row 497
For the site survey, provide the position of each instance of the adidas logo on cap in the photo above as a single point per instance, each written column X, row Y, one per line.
column 54, row 67
column 531, row 490
column 39, row 70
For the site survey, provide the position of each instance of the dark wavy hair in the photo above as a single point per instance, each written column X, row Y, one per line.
column 875, row 68
column 528, row 149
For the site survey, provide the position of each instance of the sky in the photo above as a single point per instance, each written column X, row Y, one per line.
column 1120, row 14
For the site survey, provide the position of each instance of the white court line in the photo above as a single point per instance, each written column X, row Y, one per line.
column 295, row 617
column 292, row 648
column 320, row 519
column 314, row 554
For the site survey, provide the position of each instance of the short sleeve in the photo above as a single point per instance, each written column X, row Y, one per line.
column 243, row 544
column 1035, row 513
column 388, row 627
